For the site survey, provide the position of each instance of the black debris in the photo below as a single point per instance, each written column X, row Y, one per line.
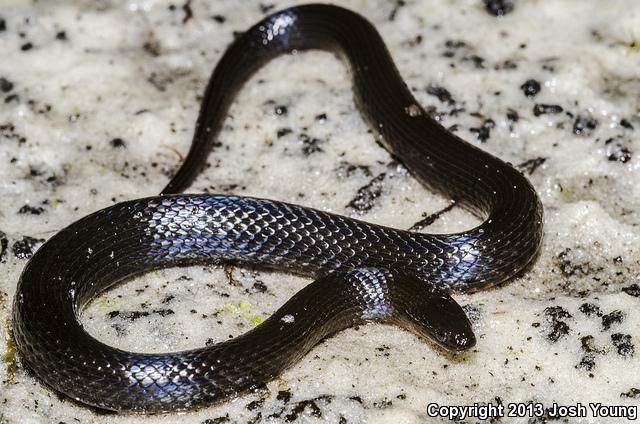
column 430, row 219
column 626, row 124
column 590, row 309
column 118, row 143
column 587, row 362
column 284, row 396
column 530, row 88
column 128, row 315
column 61, row 36
column 632, row 290
column 531, row 165
column 633, row 393
column 478, row 62
column 23, row 249
column 454, row 44
column 218, row 420
column 4, row 243
column 310, row 406
column 27, row 209
column 283, row 131
column 623, row 343
column 264, row 8
column 542, row 109
column 281, row 110
column 584, row 125
column 498, row 7
column 255, row 404
column 310, row 144
column 5, row 85
column 555, row 316
column 347, row 169
column 441, row 93
column 219, row 19
column 512, row 115
column 366, row 195
column 396, row 8
column 615, row 317
column 26, row 46
column 618, row 153
column 163, row 312
column 188, row 12
column 3, row 25
column 483, row 132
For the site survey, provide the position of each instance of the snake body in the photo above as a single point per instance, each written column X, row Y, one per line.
column 364, row 272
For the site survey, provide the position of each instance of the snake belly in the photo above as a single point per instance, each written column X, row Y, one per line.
column 364, row 272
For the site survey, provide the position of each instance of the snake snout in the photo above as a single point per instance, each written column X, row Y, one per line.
column 433, row 314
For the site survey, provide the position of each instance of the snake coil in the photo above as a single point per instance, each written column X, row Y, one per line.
column 363, row 272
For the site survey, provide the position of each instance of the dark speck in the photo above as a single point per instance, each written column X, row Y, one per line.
column 26, row 209
column 61, row 35
column 555, row 315
column 632, row 290
column 321, row 117
column 5, row 85
column 619, row 154
column 3, row 246
column 498, row 7
column 118, row 143
column 512, row 115
column 484, row 131
column 218, row 420
column 3, row 25
column 626, row 124
column 310, row 144
column 590, row 309
column 541, row 109
column 264, row 8
column 219, row 19
column 283, row 131
column 26, row 46
column 454, row 44
column 556, row 312
column 394, row 12
column 615, row 317
column 430, row 219
column 478, row 62
column 531, row 165
column 441, row 93
column 633, row 393
column 255, row 404
column 623, row 343
column 281, row 110
column 530, row 88
column 12, row 98
column 188, row 12
column 23, row 249
column 584, row 125
column 366, row 195
column 284, row 396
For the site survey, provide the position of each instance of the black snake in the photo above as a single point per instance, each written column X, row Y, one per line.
column 364, row 272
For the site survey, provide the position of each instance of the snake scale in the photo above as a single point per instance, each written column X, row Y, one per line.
column 363, row 272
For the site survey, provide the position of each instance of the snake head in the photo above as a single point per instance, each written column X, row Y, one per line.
column 433, row 314
column 446, row 323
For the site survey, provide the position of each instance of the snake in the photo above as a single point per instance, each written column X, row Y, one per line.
column 361, row 272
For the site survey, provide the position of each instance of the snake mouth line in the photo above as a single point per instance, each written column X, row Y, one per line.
column 362, row 272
